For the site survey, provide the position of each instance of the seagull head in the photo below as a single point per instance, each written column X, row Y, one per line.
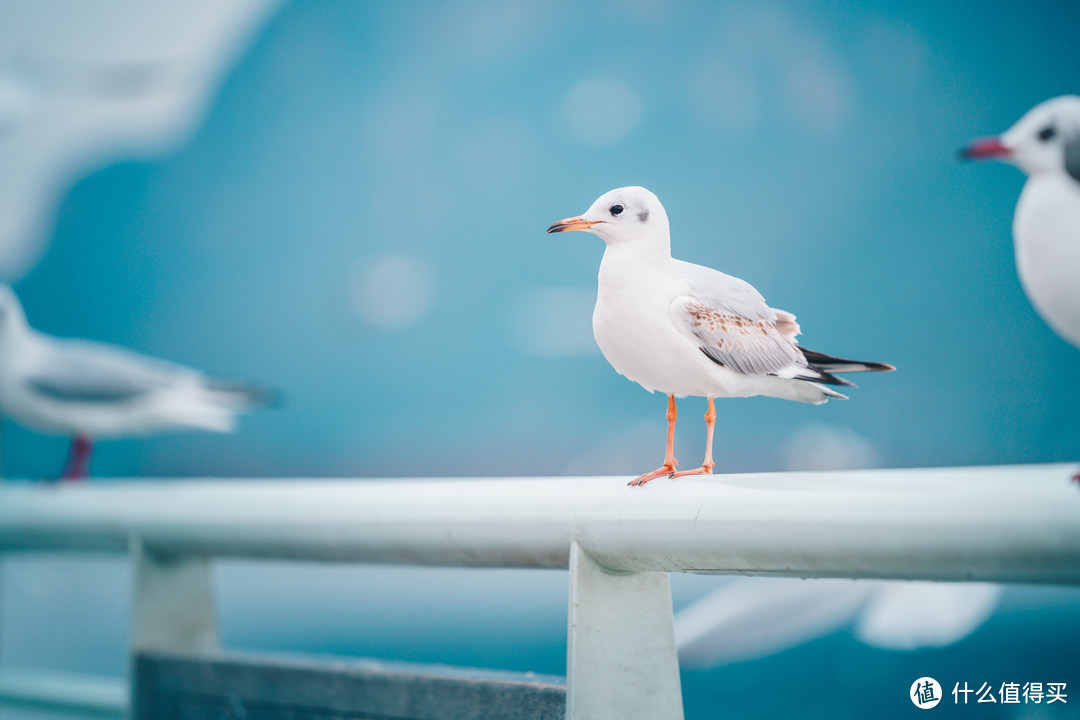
column 625, row 215
column 1045, row 140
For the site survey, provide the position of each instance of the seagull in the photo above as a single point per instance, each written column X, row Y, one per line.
column 685, row 329
column 91, row 390
column 1045, row 144
column 754, row 617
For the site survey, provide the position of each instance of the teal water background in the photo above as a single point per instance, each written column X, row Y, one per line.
column 809, row 149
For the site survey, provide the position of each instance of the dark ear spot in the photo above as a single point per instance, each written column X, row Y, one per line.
column 643, row 216
column 1072, row 156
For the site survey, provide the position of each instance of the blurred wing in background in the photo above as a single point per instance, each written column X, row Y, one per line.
column 79, row 371
column 755, row 617
column 112, row 79
column 913, row 615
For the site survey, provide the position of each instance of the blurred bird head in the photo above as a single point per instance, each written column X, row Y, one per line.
column 1045, row 140
column 629, row 214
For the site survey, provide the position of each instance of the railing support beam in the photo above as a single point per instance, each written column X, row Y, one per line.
column 174, row 602
column 621, row 661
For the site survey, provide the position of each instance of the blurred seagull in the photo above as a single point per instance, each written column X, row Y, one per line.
column 684, row 329
column 753, row 617
column 1045, row 144
column 89, row 390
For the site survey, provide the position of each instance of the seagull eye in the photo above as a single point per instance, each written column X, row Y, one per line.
column 1047, row 133
column 616, row 209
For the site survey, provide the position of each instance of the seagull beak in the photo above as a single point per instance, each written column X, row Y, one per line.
column 574, row 223
column 986, row 148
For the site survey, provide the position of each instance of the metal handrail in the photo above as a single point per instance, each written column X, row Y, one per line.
column 1001, row 524
column 1004, row 523
column 50, row 691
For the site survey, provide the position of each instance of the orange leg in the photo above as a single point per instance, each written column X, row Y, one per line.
column 669, row 457
column 708, row 464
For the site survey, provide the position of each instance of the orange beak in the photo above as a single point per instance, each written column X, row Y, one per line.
column 574, row 223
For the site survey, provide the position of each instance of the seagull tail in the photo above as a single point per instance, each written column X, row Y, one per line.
column 244, row 394
column 827, row 364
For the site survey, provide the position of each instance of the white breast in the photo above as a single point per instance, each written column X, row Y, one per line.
column 1046, row 231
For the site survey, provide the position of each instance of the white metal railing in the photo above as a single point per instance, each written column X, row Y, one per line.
column 60, row 692
column 1001, row 524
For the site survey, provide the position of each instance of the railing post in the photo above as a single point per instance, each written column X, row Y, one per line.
column 174, row 602
column 621, row 660
column 173, row 609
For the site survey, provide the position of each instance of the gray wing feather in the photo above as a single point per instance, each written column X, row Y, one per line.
column 726, row 292
column 751, row 347
column 90, row 372
column 1072, row 156
column 733, row 324
column 75, row 390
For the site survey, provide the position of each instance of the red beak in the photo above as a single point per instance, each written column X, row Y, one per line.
column 986, row 148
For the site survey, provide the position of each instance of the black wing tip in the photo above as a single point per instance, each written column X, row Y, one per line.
column 830, row 379
column 822, row 362
column 825, row 378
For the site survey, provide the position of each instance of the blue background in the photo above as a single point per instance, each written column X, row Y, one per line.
column 808, row 150
column 354, row 131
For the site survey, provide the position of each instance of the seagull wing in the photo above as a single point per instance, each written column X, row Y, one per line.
column 735, row 328
column 733, row 325
column 78, row 371
column 751, row 346
column 912, row 615
column 754, row 617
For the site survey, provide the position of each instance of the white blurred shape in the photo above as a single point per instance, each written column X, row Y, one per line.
column 553, row 321
column 767, row 56
column 16, row 102
column 817, row 90
column 80, row 387
column 392, row 291
column 912, row 615
column 752, row 618
column 82, row 84
column 602, row 112
column 819, row 446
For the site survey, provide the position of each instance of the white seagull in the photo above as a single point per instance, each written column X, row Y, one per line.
column 1045, row 144
column 753, row 617
column 92, row 390
column 684, row 329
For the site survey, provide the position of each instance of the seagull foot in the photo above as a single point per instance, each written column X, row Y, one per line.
column 668, row 470
column 1076, row 478
column 703, row 470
